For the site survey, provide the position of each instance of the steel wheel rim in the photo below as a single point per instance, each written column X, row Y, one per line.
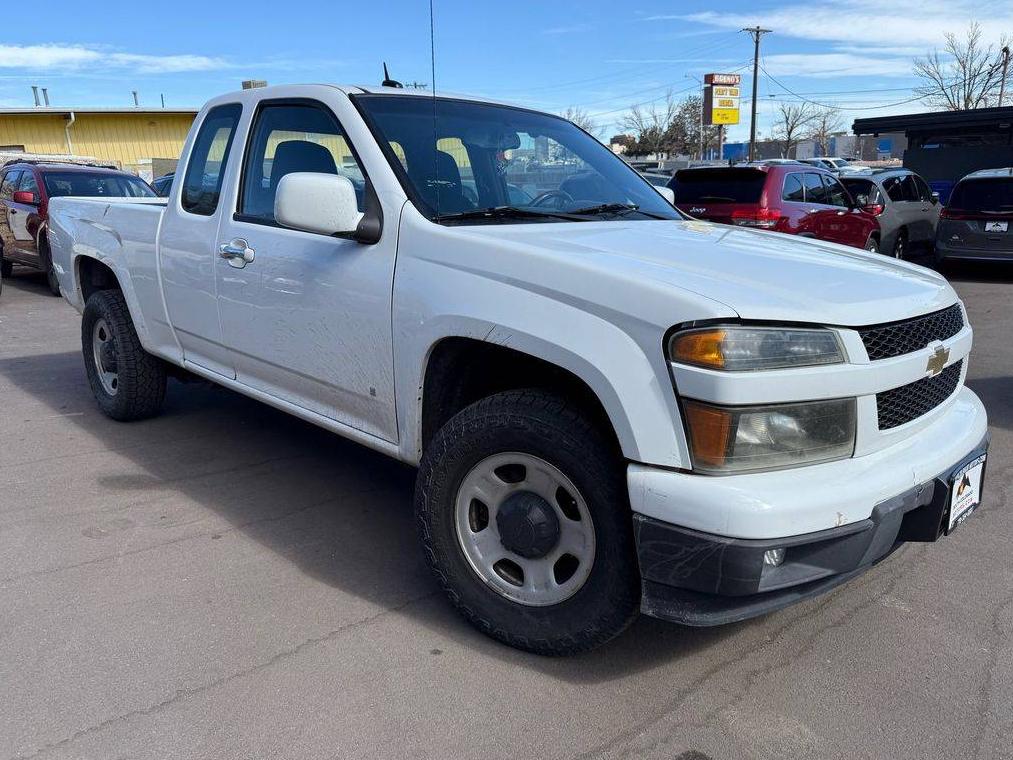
column 100, row 338
column 544, row 581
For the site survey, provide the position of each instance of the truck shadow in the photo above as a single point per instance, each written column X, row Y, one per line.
column 340, row 512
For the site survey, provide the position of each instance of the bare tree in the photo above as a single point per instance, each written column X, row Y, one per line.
column 581, row 118
column 791, row 123
column 651, row 126
column 825, row 122
column 969, row 74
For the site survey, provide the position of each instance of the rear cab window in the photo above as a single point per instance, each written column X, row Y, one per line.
column 719, row 185
column 202, row 183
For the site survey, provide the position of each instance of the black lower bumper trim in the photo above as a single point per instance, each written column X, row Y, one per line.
column 702, row 579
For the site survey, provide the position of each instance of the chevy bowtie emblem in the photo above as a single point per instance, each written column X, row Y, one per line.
column 937, row 361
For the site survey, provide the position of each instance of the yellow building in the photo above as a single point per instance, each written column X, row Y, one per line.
column 141, row 140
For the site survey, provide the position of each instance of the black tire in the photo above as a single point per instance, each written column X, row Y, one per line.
column 546, row 426
column 47, row 266
column 900, row 245
column 872, row 244
column 141, row 377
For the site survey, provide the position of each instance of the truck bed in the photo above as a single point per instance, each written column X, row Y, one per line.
column 119, row 232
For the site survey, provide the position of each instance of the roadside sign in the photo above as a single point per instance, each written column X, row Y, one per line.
column 721, row 98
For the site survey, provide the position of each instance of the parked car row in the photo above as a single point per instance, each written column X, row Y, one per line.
column 26, row 188
column 888, row 210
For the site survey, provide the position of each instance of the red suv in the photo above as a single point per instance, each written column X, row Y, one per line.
column 784, row 197
column 25, row 190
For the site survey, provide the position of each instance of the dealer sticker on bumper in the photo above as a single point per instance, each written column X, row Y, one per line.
column 965, row 491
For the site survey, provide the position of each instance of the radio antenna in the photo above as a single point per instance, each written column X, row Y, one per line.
column 387, row 81
column 436, row 132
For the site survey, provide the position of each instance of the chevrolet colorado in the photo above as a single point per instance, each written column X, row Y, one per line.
column 613, row 408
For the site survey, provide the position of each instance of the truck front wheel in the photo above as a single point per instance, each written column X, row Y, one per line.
column 128, row 382
column 524, row 514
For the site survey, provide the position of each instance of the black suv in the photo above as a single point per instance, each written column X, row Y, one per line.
column 25, row 189
column 977, row 222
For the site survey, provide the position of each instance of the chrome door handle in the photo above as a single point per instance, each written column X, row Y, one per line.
column 237, row 252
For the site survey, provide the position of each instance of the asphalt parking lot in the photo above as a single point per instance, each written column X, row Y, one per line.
column 229, row 582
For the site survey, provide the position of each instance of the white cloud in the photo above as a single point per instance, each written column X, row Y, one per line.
column 826, row 65
column 922, row 23
column 77, row 57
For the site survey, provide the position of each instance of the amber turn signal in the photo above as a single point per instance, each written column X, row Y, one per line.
column 710, row 430
column 700, row 347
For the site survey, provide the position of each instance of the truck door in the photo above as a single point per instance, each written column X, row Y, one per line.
column 188, row 255
column 308, row 316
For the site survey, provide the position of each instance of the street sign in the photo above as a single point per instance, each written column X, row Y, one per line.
column 721, row 98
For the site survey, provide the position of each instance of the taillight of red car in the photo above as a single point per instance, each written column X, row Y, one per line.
column 873, row 208
column 765, row 218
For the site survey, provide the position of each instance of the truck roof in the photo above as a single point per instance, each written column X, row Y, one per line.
column 286, row 90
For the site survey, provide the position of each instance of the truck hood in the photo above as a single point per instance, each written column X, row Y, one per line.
column 758, row 274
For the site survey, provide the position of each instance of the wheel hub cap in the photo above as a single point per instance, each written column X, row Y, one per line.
column 108, row 357
column 528, row 525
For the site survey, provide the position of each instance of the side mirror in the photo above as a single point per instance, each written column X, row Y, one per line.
column 667, row 193
column 313, row 202
column 25, row 196
column 862, row 199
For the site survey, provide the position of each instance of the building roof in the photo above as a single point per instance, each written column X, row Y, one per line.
column 53, row 111
column 935, row 120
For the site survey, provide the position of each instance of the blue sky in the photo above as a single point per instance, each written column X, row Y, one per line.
column 601, row 56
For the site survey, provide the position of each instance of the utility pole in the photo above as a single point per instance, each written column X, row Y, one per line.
column 1005, row 68
column 755, row 32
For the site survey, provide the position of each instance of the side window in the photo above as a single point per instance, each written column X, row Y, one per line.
column 9, row 184
column 836, row 194
column 815, row 191
column 910, row 188
column 294, row 138
column 202, row 184
column 924, row 191
column 793, row 190
column 28, row 184
column 894, row 189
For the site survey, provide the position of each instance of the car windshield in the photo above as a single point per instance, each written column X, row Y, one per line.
column 988, row 195
column 484, row 163
column 95, row 184
column 720, row 185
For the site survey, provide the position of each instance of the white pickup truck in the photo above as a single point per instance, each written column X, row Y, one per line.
column 614, row 408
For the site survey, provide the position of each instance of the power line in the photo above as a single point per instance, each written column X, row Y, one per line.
column 620, row 75
column 830, row 105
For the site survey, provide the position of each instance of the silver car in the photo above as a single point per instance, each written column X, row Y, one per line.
column 907, row 209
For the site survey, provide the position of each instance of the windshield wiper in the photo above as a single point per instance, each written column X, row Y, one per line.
column 508, row 212
column 614, row 208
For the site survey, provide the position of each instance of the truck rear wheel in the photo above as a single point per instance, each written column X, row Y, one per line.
column 524, row 514
column 128, row 382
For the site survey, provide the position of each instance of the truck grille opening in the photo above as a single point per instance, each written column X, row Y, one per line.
column 909, row 402
column 898, row 338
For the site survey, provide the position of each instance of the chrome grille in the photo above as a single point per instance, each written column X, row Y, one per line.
column 898, row 338
column 908, row 402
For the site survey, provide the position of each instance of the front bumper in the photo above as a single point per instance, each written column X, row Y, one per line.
column 709, row 577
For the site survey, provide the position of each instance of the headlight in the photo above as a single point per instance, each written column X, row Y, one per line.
column 737, row 348
column 741, row 439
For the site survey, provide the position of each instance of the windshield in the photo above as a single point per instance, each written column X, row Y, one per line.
column 719, row 185
column 87, row 184
column 485, row 158
column 988, row 195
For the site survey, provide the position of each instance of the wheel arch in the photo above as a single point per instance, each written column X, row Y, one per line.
column 459, row 370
